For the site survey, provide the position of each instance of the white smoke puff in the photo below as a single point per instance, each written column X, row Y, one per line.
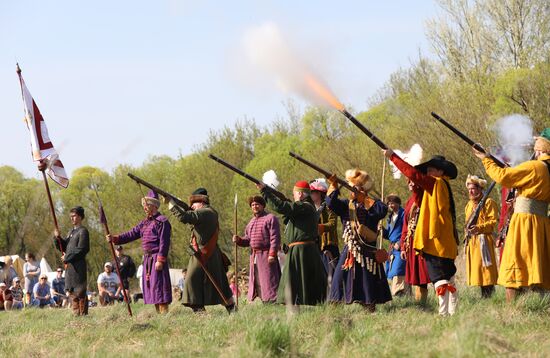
column 270, row 179
column 515, row 137
column 266, row 48
column 413, row 157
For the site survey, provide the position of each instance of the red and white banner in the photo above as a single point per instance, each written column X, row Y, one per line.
column 41, row 145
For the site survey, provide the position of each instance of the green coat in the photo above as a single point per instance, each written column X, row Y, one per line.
column 198, row 290
column 304, row 279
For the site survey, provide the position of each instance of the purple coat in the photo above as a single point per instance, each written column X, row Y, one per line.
column 155, row 241
column 263, row 236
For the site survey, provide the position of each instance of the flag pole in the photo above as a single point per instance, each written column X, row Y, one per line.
column 103, row 219
column 236, row 257
column 42, row 167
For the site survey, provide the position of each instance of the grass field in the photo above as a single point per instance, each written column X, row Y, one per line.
column 401, row 328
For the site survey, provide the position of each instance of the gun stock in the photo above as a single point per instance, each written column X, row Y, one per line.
column 159, row 191
column 247, row 176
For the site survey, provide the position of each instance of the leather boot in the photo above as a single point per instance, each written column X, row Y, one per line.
column 163, row 308
column 83, row 306
column 442, row 296
column 75, row 304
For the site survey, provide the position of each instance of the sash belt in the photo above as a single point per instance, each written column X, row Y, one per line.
column 525, row 205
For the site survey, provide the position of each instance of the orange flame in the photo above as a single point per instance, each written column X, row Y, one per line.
column 323, row 92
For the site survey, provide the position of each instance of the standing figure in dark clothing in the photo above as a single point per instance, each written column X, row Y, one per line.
column 359, row 276
column 127, row 268
column 154, row 231
column 199, row 290
column 75, row 246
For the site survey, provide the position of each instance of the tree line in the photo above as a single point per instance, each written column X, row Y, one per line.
column 492, row 59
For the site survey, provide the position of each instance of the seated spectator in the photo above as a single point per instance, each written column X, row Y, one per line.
column 41, row 293
column 8, row 273
column 108, row 285
column 6, row 298
column 58, row 289
column 178, row 290
column 17, row 294
column 92, row 295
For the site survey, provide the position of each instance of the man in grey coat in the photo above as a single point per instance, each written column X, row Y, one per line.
column 74, row 249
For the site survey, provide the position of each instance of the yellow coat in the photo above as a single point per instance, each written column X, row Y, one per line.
column 477, row 275
column 434, row 233
column 526, row 255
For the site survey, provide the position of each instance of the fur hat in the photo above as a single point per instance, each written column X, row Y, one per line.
column 302, row 186
column 319, row 184
column 199, row 195
column 474, row 179
column 151, row 198
column 542, row 142
column 439, row 162
column 359, row 178
column 256, row 199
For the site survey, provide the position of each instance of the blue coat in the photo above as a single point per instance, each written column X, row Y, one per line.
column 395, row 266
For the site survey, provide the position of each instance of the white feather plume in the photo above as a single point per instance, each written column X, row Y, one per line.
column 413, row 157
column 270, row 179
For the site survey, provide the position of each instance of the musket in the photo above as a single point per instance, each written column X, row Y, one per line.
column 472, row 219
column 364, row 129
column 248, row 176
column 159, row 191
column 326, row 173
column 465, row 138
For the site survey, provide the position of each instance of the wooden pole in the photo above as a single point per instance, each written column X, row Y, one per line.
column 103, row 220
column 236, row 255
column 42, row 168
column 380, row 239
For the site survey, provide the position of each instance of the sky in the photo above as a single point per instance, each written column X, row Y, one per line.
column 120, row 81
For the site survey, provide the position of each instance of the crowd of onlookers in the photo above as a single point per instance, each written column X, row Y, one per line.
column 37, row 291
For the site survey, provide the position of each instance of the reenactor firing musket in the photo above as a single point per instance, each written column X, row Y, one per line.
column 247, row 176
column 497, row 161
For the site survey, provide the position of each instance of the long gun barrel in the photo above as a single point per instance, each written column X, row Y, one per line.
column 472, row 220
column 473, row 144
column 364, row 129
column 247, row 176
column 326, row 173
column 159, row 191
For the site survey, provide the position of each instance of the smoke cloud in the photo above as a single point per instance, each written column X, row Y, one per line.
column 515, row 137
column 267, row 49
